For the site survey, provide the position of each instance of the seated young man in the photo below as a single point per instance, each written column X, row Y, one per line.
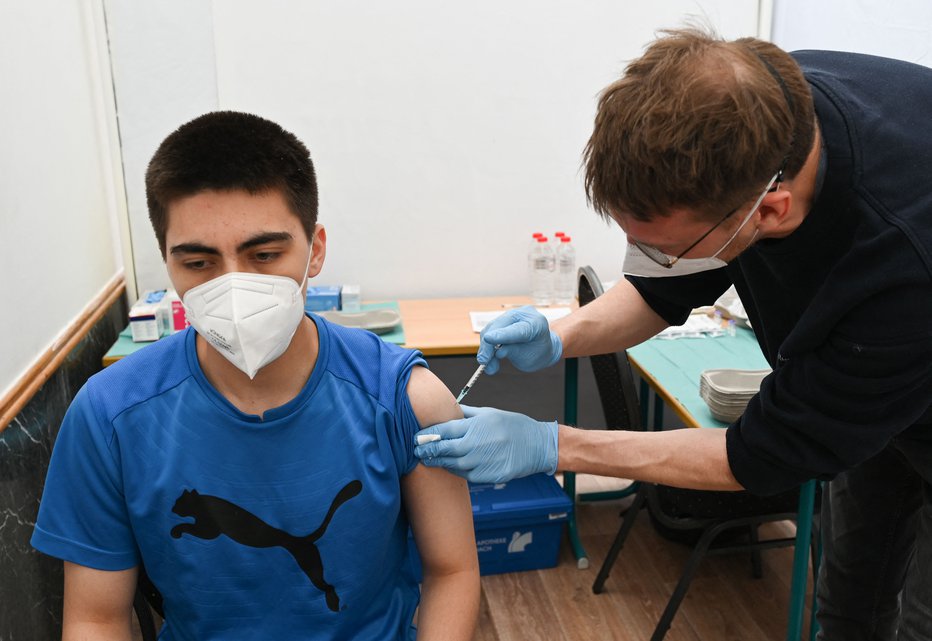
column 260, row 466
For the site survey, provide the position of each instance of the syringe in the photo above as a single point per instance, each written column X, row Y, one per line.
column 472, row 379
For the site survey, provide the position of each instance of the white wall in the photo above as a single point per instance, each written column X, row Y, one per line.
column 901, row 29
column 60, row 188
column 444, row 134
column 163, row 69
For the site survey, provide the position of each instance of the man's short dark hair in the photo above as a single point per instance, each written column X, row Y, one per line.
column 228, row 150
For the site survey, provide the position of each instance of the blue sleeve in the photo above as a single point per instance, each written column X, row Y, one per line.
column 406, row 424
column 82, row 514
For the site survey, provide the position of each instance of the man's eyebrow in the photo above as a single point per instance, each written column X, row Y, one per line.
column 263, row 238
column 193, row 248
column 258, row 239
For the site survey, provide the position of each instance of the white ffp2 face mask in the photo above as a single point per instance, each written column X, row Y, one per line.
column 637, row 263
column 249, row 318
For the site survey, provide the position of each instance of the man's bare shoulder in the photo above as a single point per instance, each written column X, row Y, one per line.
column 431, row 400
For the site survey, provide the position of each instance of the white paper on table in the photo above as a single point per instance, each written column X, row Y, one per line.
column 730, row 305
column 696, row 325
column 480, row 319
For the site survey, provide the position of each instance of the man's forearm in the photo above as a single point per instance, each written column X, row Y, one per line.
column 97, row 631
column 449, row 606
column 690, row 458
column 615, row 321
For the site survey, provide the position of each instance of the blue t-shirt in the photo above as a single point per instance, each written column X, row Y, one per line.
column 287, row 527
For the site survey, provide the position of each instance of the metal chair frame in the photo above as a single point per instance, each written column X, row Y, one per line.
column 613, row 375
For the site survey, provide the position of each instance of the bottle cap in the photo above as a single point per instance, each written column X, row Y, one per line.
column 565, row 239
column 542, row 239
column 537, row 234
column 559, row 234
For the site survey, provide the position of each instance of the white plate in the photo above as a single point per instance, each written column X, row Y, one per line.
column 734, row 381
column 728, row 391
column 380, row 321
column 725, row 416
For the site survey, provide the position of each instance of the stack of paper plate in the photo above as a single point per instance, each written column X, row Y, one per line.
column 727, row 391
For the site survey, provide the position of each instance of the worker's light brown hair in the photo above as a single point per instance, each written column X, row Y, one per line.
column 697, row 123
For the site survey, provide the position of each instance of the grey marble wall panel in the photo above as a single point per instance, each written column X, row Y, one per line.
column 31, row 583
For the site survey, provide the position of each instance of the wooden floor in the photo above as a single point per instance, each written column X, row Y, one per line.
column 724, row 601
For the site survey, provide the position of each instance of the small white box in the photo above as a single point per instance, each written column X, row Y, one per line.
column 350, row 299
column 149, row 316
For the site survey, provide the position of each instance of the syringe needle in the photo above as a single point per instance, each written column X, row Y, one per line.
column 472, row 379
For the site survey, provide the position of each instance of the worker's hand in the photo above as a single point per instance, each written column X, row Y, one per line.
column 525, row 339
column 491, row 446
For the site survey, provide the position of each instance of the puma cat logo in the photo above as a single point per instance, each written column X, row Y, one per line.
column 214, row 516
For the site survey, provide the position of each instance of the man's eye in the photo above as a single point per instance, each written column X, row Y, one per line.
column 266, row 257
column 195, row 265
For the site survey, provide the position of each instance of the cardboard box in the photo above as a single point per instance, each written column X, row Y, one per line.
column 518, row 525
column 322, row 299
column 150, row 316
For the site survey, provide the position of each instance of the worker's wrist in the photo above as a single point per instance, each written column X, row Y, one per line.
column 562, row 331
column 552, row 448
column 556, row 349
column 565, row 436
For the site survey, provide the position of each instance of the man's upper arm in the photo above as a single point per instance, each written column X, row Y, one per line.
column 436, row 501
column 98, row 603
column 430, row 399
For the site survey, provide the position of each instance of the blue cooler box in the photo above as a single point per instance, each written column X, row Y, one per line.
column 518, row 524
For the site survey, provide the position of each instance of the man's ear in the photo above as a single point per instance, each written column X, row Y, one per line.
column 774, row 213
column 319, row 246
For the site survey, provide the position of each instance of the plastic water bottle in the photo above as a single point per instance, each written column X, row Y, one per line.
column 542, row 267
column 531, row 250
column 565, row 277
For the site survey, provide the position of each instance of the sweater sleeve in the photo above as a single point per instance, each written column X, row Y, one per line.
column 674, row 298
column 827, row 409
column 400, row 363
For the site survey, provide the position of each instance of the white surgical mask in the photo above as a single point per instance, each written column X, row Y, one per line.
column 637, row 263
column 249, row 318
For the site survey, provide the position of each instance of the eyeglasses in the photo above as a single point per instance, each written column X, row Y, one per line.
column 665, row 260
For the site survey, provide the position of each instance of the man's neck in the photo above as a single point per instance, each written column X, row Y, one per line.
column 275, row 384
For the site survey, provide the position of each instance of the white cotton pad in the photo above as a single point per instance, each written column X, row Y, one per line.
column 427, row 438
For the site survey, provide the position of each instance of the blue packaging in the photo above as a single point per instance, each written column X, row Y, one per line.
column 518, row 525
column 322, row 298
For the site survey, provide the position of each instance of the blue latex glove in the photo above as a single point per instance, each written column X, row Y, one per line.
column 525, row 339
column 491, row 446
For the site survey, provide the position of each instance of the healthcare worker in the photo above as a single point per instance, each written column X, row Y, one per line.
column 805, row 180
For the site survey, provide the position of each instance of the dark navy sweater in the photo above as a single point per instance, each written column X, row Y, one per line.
column 842, row 308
